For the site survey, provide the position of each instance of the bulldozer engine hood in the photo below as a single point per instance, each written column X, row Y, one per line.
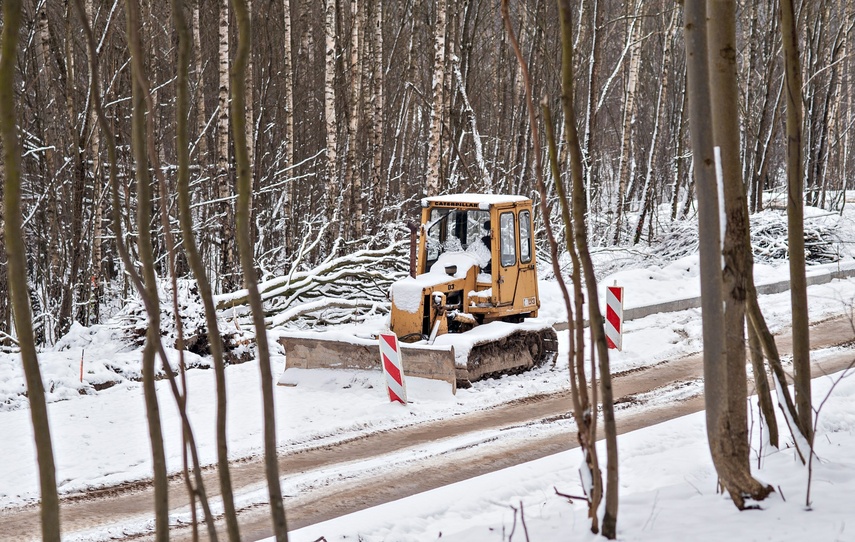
column 407, row 293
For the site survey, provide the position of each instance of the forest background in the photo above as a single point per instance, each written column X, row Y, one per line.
column 359, row 108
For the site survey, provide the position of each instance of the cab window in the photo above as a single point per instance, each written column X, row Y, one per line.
column 454, row 230
column 525, row 237
column 508, row 240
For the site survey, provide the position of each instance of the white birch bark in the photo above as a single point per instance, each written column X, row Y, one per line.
column 633, row 35
column 352, row 180
column 250, row 111
column 330, row 121
column 97, row 222
column 377, row 98
column 288, row 69
column 434, row 136
column 223, row 178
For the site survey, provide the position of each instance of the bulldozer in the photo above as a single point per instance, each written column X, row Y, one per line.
column 468, row 310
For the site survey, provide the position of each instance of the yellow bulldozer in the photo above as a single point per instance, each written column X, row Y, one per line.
column 468, row 309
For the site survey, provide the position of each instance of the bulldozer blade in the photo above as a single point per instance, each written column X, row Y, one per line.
column 434, row 362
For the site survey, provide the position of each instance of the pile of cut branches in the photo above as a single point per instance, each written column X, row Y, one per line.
column 346, row 286
column 769, row 238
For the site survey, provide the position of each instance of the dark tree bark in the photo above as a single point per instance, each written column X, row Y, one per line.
column 17, row 271
column 733, row 442
column 795, row 221
column 194, row 259
column 580, row 234
column 244, row 241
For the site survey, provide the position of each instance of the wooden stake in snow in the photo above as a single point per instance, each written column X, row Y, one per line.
column 614, row 316
column 390, row 358
column 81, row 365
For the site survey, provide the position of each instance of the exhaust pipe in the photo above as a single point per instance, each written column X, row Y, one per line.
column 414, row 229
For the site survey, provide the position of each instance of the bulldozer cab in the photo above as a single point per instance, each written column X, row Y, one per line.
column 496, row 230
column 475, row 264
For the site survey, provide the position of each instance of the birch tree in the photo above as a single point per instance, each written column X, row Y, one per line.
column 432, row 181
column 333, row 189
column 377, row 117
column 634, row 37
column 223, row 180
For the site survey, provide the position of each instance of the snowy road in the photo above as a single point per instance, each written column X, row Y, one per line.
column 352, row 473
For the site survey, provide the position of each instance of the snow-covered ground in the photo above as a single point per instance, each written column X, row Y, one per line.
column 667, row 493
column 667, row 482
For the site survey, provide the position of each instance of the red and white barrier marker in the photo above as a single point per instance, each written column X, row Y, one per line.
column 614, row 317
column 390, row 358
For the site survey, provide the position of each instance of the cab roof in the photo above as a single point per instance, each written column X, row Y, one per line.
column 482, row 201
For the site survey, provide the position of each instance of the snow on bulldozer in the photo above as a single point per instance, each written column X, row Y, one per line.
column 469, row 308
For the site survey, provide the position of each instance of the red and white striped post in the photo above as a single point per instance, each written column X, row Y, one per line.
column 614, row 316
column 390, row 358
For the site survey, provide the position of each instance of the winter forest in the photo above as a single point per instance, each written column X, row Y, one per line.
column 355, row 110
column 258, row 156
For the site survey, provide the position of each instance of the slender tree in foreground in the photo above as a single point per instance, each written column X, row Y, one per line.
column 732, row 442
column 586, row 424
column 795, row 220
column 580, row 234
column 245, row 253
column 194, row 260
column 17, row 271
column 700, row 126
column 146, row 256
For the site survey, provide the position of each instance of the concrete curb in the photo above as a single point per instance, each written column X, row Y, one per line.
column 820, row 274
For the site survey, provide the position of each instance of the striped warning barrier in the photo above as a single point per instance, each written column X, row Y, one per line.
column 614, row 317
column 390, row 358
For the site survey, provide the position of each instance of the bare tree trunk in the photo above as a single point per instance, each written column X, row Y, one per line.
column 433, row 182
column 733, row 446
column 195, row 261
column 847, row 91
column 678, row 168
column 223, row 179
column 795, row 221
column 17, row 271
column 333, row 189
column 352, row 178
column 199, row 96
column 288, row 142
column 589, row 143
column 377, row 121
column 146, row 255
column 761, row 382
column 51, row 144
column 580, row 234
column 700, row 121
column 634, row 35
column 238, row 80
column 97, row 201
